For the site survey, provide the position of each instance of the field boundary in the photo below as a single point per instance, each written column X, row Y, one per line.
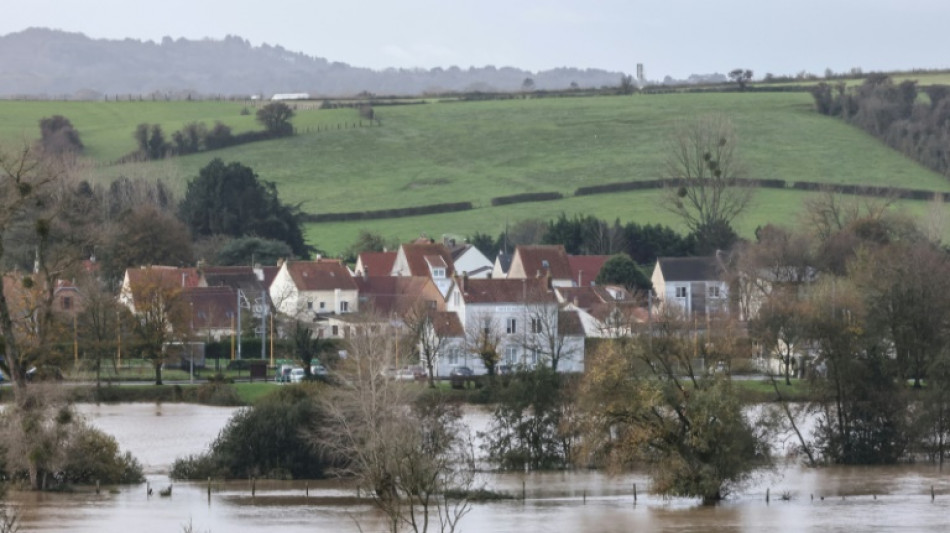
column 897, row 193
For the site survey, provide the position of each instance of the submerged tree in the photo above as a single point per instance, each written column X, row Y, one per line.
column 646, row 401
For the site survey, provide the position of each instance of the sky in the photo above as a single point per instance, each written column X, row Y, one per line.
column 669, row 37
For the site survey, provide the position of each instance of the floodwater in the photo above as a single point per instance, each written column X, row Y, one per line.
column 806, row 500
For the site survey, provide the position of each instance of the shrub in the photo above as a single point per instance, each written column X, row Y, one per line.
column 92, row 456
column 267, row 440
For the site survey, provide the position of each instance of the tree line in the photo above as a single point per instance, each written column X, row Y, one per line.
column 196, row 137
column 895, row 114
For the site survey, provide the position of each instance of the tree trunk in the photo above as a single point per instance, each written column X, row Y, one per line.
column 158, row 373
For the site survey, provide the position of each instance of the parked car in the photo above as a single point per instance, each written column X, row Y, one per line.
column 283, row 374
column 297, row 375
column 318, row 371
column 410, row 373
column 459, row 376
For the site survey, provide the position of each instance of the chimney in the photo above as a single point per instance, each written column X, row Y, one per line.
column 580, row 277
column 464, row 283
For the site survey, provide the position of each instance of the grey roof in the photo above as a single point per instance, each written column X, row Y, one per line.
column 705, row 268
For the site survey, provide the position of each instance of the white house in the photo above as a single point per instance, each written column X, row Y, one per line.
column 313, row 290
column 519, row 318
column 694, row 285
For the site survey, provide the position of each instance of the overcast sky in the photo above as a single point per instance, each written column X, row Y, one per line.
column 670, row 37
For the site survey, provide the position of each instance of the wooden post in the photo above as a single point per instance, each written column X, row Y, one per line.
column 97, row 486
column 209, row 488
column 634, row 493
column 307, row 489
column 932, row 494
column 522, row 490
column 148, row 489
column 767, row 495
column 585, row 496
column 253, row 486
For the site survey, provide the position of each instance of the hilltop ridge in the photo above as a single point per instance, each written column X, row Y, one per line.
column 41, row 62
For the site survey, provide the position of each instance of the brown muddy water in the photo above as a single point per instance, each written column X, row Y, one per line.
column 828, row 499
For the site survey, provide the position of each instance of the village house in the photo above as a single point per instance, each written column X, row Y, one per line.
column 542, row 260
column 314, row 291
column 519, row 319
column 425, row 258
column 691, row 285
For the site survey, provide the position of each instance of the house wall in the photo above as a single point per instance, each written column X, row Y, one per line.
column 471, row 261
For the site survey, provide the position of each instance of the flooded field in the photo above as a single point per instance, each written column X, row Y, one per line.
column 828, row 499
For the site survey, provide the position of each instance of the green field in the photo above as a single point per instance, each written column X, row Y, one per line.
column 472, row 151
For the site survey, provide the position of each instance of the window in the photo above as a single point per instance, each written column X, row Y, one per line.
column 67, row 303
column 511, row 326
column 309, row 305
column 511, row 355
column 536, row 325
column 681, row 292
column 335, row 331
column 323, row 305
column 714, row 291
column 453, row 355
column 344, row 306
column 532, row 356
column 438, row 273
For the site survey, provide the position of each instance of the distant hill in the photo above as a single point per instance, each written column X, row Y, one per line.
column 39, row 62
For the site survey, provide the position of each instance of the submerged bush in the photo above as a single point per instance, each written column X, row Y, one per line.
column 267, row 440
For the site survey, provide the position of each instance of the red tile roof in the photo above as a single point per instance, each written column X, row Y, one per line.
column 394, row 295
column 212, row 307
column 416, row 257
column 378, row 263
column 569, row 323
column 584, row 268
column 539, row 258
column 514, row 291
column 320, row 275
column 447, row 324
column 165, row 275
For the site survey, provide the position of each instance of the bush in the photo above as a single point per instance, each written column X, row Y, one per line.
column 267, row 440
column 92, row 456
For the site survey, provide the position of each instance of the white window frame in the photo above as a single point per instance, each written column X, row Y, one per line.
column 438, row 273
column 511, row 355
column 511, row 326
column 681, row 291
column 713, row 291
column 344, row 306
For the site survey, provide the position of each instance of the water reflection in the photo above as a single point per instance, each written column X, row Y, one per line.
column 832, row 499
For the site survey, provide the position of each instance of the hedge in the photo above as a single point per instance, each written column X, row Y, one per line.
column 431, row 209
column 526, row 197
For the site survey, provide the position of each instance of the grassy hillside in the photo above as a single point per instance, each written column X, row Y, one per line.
column 473, row 151
column 781, row 207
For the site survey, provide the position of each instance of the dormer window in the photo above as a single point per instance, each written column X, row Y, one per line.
column 438, row 273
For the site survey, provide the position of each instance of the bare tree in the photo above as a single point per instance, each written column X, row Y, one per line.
column 483, row 338
column 414, row 458
column 703, row 160
column 424, row 337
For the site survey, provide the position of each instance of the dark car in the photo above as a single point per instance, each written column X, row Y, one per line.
column 460, row 376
